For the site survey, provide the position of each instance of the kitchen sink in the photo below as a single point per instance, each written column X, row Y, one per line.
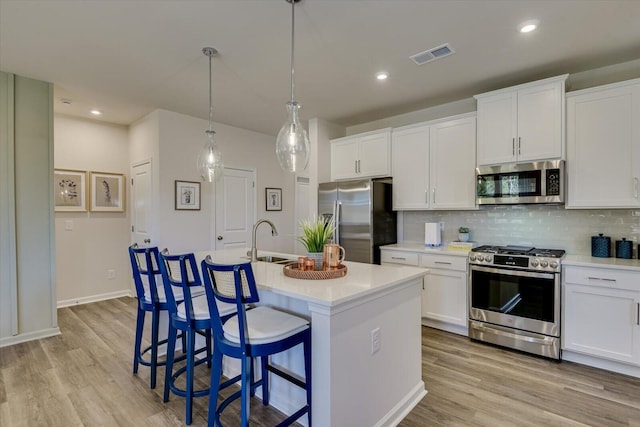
column 275, row 259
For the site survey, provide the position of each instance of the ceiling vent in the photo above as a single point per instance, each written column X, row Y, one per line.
column 432, row 54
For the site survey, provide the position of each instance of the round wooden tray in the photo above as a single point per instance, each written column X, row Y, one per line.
column 291, row 270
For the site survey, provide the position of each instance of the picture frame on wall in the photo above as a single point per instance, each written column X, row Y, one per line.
column 273, row 199
column 69, row 190
column 107, row 192
column 187, row 196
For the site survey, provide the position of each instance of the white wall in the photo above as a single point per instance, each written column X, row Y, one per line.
column 98, row 241
column 178, row 139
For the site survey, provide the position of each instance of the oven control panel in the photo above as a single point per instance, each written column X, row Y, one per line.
column 514, row 261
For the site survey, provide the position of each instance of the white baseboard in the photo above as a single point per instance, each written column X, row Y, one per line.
column 402, row 408
column 449, row 327
column 597, row 362
column 30, row 336
column 94, row 298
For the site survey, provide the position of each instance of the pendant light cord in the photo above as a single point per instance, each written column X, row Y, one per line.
column 210, row 102
column 293, row 3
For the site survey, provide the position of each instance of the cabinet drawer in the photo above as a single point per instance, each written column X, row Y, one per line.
column 602, row 277
column 393, row 257
column 442, row 261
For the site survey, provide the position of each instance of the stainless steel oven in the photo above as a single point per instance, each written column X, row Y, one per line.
column 514, row 298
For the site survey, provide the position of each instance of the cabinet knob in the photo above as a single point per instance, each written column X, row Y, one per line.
column 219, row 237
column 147, row 240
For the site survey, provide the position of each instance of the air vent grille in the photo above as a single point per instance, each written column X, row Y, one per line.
column 432, row 54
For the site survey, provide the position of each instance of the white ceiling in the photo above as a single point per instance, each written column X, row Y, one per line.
column 130, row 57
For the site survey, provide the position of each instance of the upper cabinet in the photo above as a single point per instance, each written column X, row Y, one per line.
column 522, row 123
column 603, row 146
column 434, row 165
column 360, row 156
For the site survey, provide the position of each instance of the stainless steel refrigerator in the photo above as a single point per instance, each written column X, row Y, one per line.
column 363, row 215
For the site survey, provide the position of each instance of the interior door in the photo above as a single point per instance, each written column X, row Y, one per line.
column 141, row 204
column 235, row 209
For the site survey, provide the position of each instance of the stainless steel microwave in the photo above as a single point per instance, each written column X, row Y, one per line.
column 537, row 182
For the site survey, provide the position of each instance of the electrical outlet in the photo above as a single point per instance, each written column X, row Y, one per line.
column 68, row 225
column 375, row 340
column 111, row 274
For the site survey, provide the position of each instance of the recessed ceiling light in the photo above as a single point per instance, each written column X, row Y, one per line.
column 528, row 26
column 382, row 75
column 96, row 112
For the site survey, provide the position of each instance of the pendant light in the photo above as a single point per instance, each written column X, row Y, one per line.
column 210, row 164
column 292, row 143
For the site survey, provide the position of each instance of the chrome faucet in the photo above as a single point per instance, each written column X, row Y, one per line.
column 253, row 253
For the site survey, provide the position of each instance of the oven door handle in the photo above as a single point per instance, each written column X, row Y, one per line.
column 496, row 331
column 510, row 272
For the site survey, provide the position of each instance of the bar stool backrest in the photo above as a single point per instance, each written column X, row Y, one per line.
column 233, row 284
column 179, row 272
column 145, row 269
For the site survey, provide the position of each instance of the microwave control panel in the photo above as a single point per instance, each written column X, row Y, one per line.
column 553, row 182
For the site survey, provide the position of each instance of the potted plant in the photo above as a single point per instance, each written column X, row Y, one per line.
column 316, row 232
column 463, row 234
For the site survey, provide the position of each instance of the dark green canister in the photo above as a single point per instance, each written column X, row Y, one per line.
column 601, row 246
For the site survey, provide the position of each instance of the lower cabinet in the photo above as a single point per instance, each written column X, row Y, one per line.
column 444, row 298
column 601, row 316
column 444, row 288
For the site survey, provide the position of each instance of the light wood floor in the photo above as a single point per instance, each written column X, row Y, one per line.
column 83, row 378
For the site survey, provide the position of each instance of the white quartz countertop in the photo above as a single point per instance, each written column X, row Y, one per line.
column 417, row 247
column 613, row 263
column 360, row 281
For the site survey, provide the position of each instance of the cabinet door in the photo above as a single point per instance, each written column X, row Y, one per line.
column 374, row 155
column 540, row 109
column 602, row 322
column 344, row 155
column 497, row 121
column 445, row 296
column 452, row 164
column 603, row 148
column 410, row 160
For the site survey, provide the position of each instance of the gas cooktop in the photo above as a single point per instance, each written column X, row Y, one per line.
column 518, row 257
column 520, row 250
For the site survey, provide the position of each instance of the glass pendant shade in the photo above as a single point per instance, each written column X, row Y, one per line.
column 210, row 164
column 292, row 143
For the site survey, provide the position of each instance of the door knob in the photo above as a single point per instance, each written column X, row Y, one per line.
column 147, row 240
column 219, row 237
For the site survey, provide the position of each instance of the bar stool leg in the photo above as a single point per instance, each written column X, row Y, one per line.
column 139, row 329
column 155, row 324
column 171, row 348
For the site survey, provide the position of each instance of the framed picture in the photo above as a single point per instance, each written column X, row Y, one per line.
column 69, row 190
column 187, row 196
column 107, row 192
column 273, row 198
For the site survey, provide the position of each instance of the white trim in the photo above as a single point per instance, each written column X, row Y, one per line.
column 615, row 85
column 95, row 298
column 597, row 362
column 403, row 407
column 30, row 336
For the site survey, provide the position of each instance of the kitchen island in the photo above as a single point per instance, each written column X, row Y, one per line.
column 366, row 341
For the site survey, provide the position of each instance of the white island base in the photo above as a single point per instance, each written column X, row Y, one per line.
column 366, row 342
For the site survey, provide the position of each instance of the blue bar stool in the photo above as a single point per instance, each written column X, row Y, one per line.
column 259, row 332
column 151, row 299
column 181, row 276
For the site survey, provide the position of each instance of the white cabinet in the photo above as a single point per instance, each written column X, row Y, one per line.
column 444, row 298
column 603, row 146
column 601, row 313
column 361, row 156
column 522, row 123
column 410, row 159
column 434, row 165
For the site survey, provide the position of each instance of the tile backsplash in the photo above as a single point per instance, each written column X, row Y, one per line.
column 543, row 226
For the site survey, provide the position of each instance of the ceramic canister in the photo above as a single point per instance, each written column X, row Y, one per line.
column 624, row 248
column 601, row 246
